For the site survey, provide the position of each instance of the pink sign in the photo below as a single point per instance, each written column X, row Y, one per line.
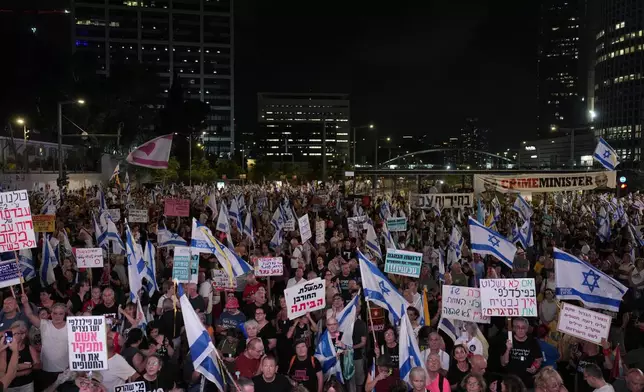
column 176, row 207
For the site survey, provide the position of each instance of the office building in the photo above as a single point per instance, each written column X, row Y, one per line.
column 292, row 127
column 452, row 156
column 555, row 152
column 190, row 38
column 562, row 71
column 474, row 138
column 619, row 72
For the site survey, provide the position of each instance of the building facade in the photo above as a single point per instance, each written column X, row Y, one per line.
column 292, row 128
column 474, row 138
column 619, row 76
column 555, row 152
column 189, row 38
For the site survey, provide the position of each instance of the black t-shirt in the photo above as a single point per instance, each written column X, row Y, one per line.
column 303, row 333
column 77, row 303
column 392, row 354
column 267, row 332
column 522, row 355
column 359, row 331
column 158, row 385
column 170, row 325
column 343, row 281
column 198, row 303
column 279, row 384
column 305, row 372
column 110, row 312
column 455, row 375
column 586, row 360
column 252, row 307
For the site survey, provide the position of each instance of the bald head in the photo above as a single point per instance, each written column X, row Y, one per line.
column 479, row 365
column 635, row 380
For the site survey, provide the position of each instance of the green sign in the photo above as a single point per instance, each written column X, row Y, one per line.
column 397, row 224
column 402, row 262
column 185, row 265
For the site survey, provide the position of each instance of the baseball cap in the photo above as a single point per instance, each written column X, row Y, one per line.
column 232, row 303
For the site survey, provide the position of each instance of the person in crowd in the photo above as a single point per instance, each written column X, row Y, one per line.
column 252, row 285
column 588, row 353
column 305, row 369
column 196, row 300
column 265, row 330
column 93, row 301
column 244, row 384
column 594, row 376
column 75, row 304
column 269, row 379
column 436, row 382
column 28, row 359
column 473, row 383
column 118, row 370
column 384, row 377
column 512, row 383
column 131, row 350
column 435, row 347
column 303, row 329
column 633, row 381
column 152, row 377
column 390, row 348
column 231, row 318
column 297, row 279
column 522, row 355
column 336, row 306
column 469, row 338
column 248, row 362
column 418, row 379
column 11, row 313
column 260, row 302
column 460, row 366
column 108, row 308
column 548, row 380
column 550, row 353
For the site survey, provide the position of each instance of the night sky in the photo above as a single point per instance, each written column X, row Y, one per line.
column 411, row 67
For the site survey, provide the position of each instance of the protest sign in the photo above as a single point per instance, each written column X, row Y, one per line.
column 402, row 262
column 87, row 339
column 319, row 232
column 305, row 297
column 305, row 227
column 9, row 273
column 44, row 223
column 356, row 223
column 377, row 318
column 269, row 266
column 221, row 281
column 137, row 386
column 115, row 214
column 487, row 185
column 508, row 297
column 16, row 226
column 176, row 207
column 463, row 303
column 397, row 224
column 89, row 257
column 289, row 225
column 583, row 323
column 441, row 200
column 137, row 216
column 186, row 265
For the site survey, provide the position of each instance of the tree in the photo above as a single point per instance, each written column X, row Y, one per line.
column 168, row 175
column 228, row 168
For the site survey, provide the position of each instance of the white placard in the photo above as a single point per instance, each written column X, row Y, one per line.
column 87, row 339
column 269, row 266
column 583, row 323
column 221, row 281
column 305, row 227
column 320, row 232
column 137, row 386
column 137, row 216
column 16, row 225
column 463, row 303
column 289, row 225
column 356, row 223
column 115, row 214
column 441, row 200
column 305, row 297
column 509, row 297
column 89, row 257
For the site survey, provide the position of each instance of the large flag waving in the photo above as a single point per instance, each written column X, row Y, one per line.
column 606, row 155
column 49, row 261
column 202, row 239
column 147, row 268
column 153, row 154
column 488, row 242
column 166, row 238
column 379, row 290
column 522, row 207
column 373, row 245
column 134, row 257
column 408, row 351
column 455, row 246
column 578, row 280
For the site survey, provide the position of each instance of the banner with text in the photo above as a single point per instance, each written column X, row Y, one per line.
column 137, row 386
column 176, row 207
column 289, row 225
column 44, row 223
column 487, row 185
column 397, row 224
column 463, row 303
column 426, row 201
column 509, row 297
column 356, row 223
column 402, row 262
column 186, row 265
column 9, row 273
column 305, row 297
column 87, row 339
column 305, row 227
column 583, row 323
column 221, row 281
column 89, row 257
column 137, row 216
column 16, row 226
column 269, row 266
column 319, row 232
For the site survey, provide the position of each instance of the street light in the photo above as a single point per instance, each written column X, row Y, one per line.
column 23, row 122
column 60, row 132
column 592, row 114
column 355, row 140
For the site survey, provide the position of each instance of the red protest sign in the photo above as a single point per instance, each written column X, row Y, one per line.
column 176, row 207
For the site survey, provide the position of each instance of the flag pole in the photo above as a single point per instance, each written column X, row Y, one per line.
column 223, row 365
column 373, row 331
column 22, row 287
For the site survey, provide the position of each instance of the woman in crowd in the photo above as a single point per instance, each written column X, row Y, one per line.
column 28, row 360
column 77, row 300
column 548, row 380
column 384, row 378
column 265, row 330
column 151, row 377
column 131, row 350
column 473, row 383
column 459, row 367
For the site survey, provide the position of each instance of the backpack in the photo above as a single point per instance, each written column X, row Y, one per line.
column 290, row 364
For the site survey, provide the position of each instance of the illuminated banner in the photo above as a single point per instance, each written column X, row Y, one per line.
column 486, row 185
column 426, row 201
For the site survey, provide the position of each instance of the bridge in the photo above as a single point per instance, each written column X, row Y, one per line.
column 459, row 153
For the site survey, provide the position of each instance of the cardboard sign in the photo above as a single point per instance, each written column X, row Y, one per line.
column 320, row 230
column 442, row 200
column 402, row 262
column 304, row 298
column 289, row 225
column 185, row 265
column 16, row 226
column 176, row 207
column 89, row 257
column 583, row 323
column 509, row 297
column 305, row 227
column 397, row 224
column 9, row 273
column 115, row 214
column 137, row 386
column 137, row 216
column 269, row 266
column 222, row 282
column 463, row 303
column 44, row 223
column 87, row 339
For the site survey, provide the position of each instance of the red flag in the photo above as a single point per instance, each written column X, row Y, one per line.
column 618, row 370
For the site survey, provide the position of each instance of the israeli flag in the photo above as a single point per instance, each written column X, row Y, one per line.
column 455, row 246
column 248, row 227
column 27, row 264
column 127, row 187
column 525, row 235
column 603, row 221
column 606, row 155
column 49, row 207
column 102, row 205
column 134, row 257
column 379, row 290
column 235, row 215
column 389, row 239
column 637, row 236
column 441, row 267
column 408, row 350
column 147, row 268
column 278, row 218
column 241, row 203
column 522, row 207
column 496, row 206
column 202, row 350
column 212, row 203
column 49, row 262
column 372, row 242
column 66, row 245
column 222, row 221
column 277, row 239
column 488, row 242
column 385, row 213
column 101, row 236
column 325, row 351
column 578, row 280
column 166, row 238
column 203, row 240
column 449, row 328
column 111, row 233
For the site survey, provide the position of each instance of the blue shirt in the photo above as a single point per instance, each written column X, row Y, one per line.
column 550, row 354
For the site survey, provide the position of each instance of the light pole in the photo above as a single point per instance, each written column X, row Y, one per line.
column 60, row 132
column 21, row 121
column 355, row 140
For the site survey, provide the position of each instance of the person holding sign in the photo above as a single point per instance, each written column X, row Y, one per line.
column 29, row 359
column 522, row 355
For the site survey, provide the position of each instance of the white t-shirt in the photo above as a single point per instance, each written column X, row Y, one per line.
column 205, row 290
column 297, row 256
column 163, row 298
column 54, row 355
column 474, row 345
column 606, row 388
column 291, row 282
column 444, row 357
column 118, row 371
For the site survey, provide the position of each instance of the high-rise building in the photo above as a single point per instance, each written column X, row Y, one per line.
column 562, row 71
column 474, row 138
column 292, row 127
column 619, row 76
column 190, row 38
column 452, row 157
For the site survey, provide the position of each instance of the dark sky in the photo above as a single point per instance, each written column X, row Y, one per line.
column 411, row 67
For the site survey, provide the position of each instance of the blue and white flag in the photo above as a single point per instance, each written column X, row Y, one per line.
column 578, row 280
column 27, row 264
column 277, row 239
column 606, row 155
column 212, row 204
column 235, row 215
column 455, row 246
column 127, row 187
column 49, row 262
column 525, row 235
column 379, row 290
column 202, row 239
column 248, row 227
column 102, row 205
column 325, row 351
column 441, row 266
column 111, row 233
column 449, row 328
column 278, row 218
column 101, row 236
column 241, row 203
column 488, row 242
column 49, row 207
column 147, row 268
column 603, row 223
column 166, row 238
column 496, row 206
column 385, row 212
column 134, row 257
column 522, row 207
column 116, row 172
column 202, row 350
column 223, row 223
column 408, row 351
column 389, row 239
column 637, row 236
column 373, row 245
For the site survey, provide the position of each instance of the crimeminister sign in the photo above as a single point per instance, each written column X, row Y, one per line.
column 402, row 262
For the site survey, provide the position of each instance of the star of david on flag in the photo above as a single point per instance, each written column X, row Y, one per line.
column 606, row 155
column 486, row 241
